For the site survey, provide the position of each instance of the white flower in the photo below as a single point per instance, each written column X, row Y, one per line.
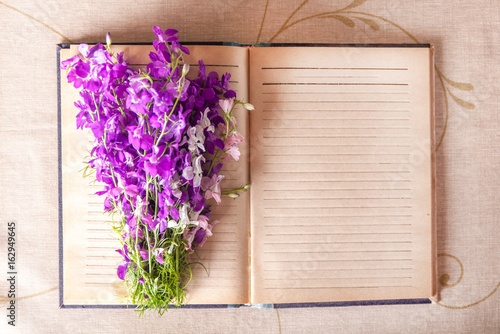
column 184, row 219
column 172, row 223
column 226, row 105
column 205, row 122
column 139, row 207
column 196, row 139
column 157, row 251
column 175, row 187
column 197, row 170
column 187, row 173
column 194, row 172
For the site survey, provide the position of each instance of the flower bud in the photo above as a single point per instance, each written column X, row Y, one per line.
column 108, row 40
column 248, row 106
column 185, row 69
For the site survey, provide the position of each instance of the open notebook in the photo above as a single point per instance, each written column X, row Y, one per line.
column 339, row 155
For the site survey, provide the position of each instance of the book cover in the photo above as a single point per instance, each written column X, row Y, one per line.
column 339, row 155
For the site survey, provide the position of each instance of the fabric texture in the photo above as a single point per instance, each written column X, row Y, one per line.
column 467, row 42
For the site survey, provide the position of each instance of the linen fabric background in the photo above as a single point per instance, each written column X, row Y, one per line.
column 466, row 36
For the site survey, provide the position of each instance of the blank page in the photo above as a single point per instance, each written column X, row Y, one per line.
column 341, row 171
column 90, row 260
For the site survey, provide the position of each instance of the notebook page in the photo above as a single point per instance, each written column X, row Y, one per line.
column 89, row 246
column 341, row 174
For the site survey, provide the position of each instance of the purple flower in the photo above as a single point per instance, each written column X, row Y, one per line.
column 122, row 270
column 211, row 187
column 159, row 142
column 158, row 253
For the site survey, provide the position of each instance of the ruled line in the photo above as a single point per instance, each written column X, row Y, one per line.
column 337, row 101
column 100, row 265
column 333, row 252
column 214, row 65
column 221, row 260
column 96, row 248
column 288, row 224
column 101, row 274
column 323, row 180
column 327, row 145
column 337, row 119
column 326, row 154
column 104, row 238
column 332, row 172
column 340, row 260
column 332, row 110
column 339, row 242
column 331, row 189
column 339, row 269
column 338, row 163
column 328, row 198
column 205, row 250
column 330, row 92
column 336, row 68
column 222, row 214
column 335, row 128
column 334, row 207
column 336, row 76
column 338, row 287
column 333, row 92
column 326, row 216
column 331, row 137
column 332, row 84
column 327, row 278
column 220, row 241
column 339, row 233
column 213, row 287
column 199, row 268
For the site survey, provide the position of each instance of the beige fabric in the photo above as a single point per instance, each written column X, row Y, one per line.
column 466, row 36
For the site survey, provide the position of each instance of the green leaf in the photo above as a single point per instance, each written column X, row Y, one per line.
column 372, row 24
column 461, row 102
column 345, row 20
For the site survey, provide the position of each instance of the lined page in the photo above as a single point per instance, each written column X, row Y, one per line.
column 341, row 174
column 90, row 260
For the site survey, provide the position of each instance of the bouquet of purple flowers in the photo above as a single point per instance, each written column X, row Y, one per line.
column 160, row 142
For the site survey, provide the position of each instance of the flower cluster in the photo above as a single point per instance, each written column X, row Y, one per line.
column 160, row 142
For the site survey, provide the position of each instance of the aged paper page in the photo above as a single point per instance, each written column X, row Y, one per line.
column 341, row 173
column 90, row 260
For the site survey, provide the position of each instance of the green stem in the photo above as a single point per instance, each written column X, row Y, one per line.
column 171, row 112
column 177, row 270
